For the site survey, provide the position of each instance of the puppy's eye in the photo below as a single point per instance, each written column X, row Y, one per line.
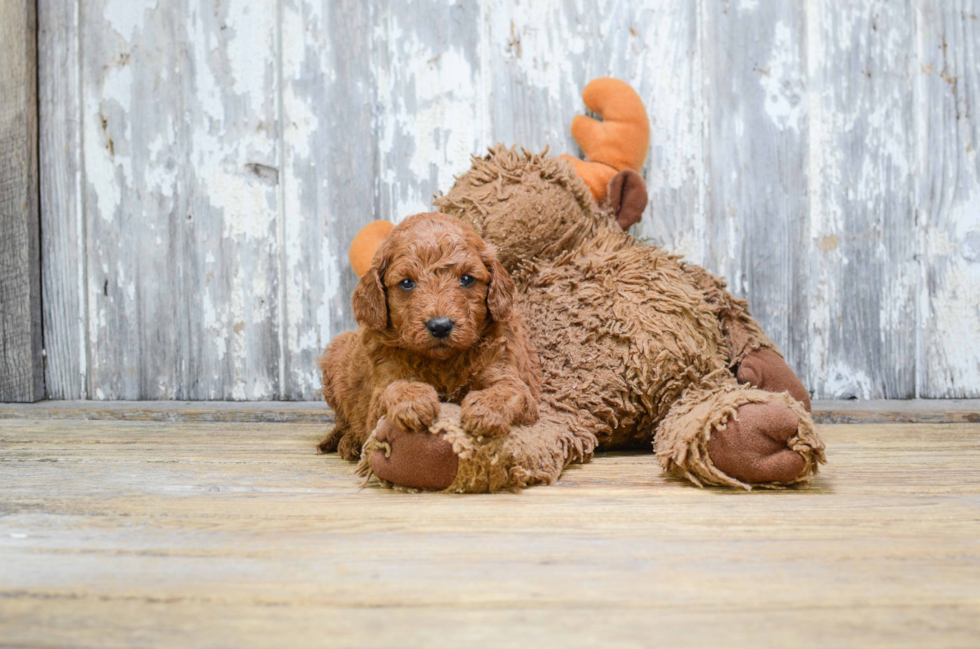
column 407, row 284
column 466, row 281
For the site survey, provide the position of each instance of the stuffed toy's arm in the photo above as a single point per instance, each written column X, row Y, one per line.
column 743, row 334
column 755, row 359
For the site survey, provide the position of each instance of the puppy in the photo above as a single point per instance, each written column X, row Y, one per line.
column 436, row 323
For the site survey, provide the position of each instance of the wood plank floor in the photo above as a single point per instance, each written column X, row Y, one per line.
column 147, row 533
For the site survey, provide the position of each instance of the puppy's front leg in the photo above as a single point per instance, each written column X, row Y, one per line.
column 492, row 411
column 410, row 405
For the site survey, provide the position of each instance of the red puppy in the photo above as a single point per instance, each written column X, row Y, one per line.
column 436, row 324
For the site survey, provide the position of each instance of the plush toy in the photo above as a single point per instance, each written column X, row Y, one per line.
column 638, row 348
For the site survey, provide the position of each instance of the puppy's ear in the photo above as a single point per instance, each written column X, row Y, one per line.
column 370, row 301
column 500, row 296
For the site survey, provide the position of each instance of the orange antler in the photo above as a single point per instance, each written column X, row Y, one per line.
column 365, row 243
column 620, row 141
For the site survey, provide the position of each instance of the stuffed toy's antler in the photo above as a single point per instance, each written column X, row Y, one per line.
column 617, row 143
column 365, row 243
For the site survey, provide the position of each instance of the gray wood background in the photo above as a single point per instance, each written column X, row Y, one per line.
column 21, row 362
column 204, row 166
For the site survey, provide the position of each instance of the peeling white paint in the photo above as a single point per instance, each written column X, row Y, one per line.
column 668, row 75
column 214, row 324
column 842, row 382
column 244, row 205
column 207, row 89
column 103, row 162
column 950, row 304
column 430, row 102
column 126, row 16
column 781, row 80
column 249, row 45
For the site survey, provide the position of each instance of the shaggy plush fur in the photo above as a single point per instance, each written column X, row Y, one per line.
column 637, row 347
column 526, row 456
column 399, row 365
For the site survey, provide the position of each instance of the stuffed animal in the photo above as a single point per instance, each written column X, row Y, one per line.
column 638, row 349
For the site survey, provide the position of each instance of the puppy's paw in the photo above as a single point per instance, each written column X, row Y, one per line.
column 411, row 406
column 484, row 416
column 349, row 447
column 331, row 441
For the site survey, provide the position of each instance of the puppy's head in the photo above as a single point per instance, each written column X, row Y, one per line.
column 433, row 286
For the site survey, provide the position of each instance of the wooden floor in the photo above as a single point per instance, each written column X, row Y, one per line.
column 130, row 533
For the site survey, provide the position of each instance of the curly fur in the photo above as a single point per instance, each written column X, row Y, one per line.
column 392, row 366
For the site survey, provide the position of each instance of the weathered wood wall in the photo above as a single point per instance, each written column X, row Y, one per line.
column 206, row 164
column 21, row 362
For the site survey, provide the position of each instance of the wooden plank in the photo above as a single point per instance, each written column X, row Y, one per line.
column 21, row 361
column 144, row 623
column 862, row 239
column 181, row 202
column 918, row 411
column 129, row 120
column 665, row 42
column 947, row 89
column 756, row 156
column 330, row 172
column 231, row 203
column 433, row 112
column 62, row 223
column 304, row 412
column 203, row 534
column 945, row 411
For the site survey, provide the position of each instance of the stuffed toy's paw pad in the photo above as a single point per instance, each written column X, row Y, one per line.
column 753, row 447
column 416, row 460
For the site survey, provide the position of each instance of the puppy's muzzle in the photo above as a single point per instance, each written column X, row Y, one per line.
column 440, row 327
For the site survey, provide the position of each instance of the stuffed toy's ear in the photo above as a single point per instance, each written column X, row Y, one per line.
column 627, row 196
column 620, row 141
column 366, row 243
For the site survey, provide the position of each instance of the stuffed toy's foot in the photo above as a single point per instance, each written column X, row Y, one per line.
column 733, row 435
column 421, row 460
column 753, row 445
column 766, row 370
column 446, row 457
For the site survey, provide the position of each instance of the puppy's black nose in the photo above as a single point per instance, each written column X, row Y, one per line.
column 440, row 327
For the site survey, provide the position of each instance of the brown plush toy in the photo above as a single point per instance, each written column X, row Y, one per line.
column 638, row 349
